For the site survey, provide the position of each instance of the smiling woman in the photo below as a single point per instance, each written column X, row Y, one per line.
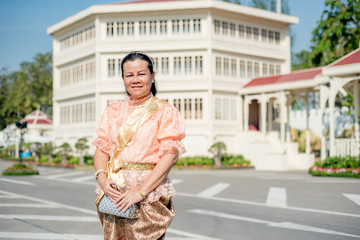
column 139, row 140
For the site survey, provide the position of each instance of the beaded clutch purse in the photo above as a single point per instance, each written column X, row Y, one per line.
column 108, row 206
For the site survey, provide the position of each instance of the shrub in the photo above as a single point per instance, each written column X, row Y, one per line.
column 20, row 169
column 73, row 160
column 337, row 167
column 235, row 160
column 197, row 160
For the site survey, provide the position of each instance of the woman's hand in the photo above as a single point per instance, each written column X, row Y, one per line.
column 128, row 199
column 106, row 186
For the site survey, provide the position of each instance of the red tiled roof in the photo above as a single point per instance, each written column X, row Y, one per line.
column 300, row 75
column 39, row 121
column 148, row 1
column 353, row 57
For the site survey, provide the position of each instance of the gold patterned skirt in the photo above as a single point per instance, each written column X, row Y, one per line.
column 151, row 224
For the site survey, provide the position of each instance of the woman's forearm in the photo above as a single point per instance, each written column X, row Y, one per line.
column 100, row 161
column 158, row 174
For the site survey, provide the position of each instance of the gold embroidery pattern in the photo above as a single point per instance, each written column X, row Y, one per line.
column 153, row 107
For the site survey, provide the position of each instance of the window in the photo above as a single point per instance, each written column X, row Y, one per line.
column 256, row 69
column 90, row 112
column 77, row 113
column 177, row 104
column 256, row 34
column 232, row 29
column 225, row 28
column 271, row 69
column 119, row 67
column 226, row 66
column 198, row 65
column 130, row 28
column 177, row 65
column 142, row 28
column 186, row 26
column 248, row 32
column 176, row 26
column 217, row 26
column 263, row 35
column 197, row 26
column 188, row 65
column 233, row 68
column 153, row 28
column 78, row 38
column 163, row 27
column 265, row 69
column 271, row 36
column 218, row 66
column 226, row 109
column 111, row 67
column 65, row 115
column 156, row 64
column 242, row 69
column 241, row 31
column 198, row 108
column 277, row 37
column 120, row 29
column 187, row 108
column 249, row 69
column 90, row 70
column 233, row 110
column 278, row 69
column 110, row 29
column 165, row 65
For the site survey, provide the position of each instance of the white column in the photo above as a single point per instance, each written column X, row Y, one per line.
column 246, row 114
column 332, row 119
column 356, row 103
column 282, row 101
column 263, row 115
column 288, row 130
column 323, row 97
column 270, row 116
column 308, row 149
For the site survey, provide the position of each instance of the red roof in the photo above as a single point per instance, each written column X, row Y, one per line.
column 353, row 57
column 307, row 74
column 148, row 1
column 39, row 121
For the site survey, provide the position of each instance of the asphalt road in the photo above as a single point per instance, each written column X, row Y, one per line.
column 210, row 204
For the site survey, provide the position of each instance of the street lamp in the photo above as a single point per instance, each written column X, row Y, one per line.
column 22, row 126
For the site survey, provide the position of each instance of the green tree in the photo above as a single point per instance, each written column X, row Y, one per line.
column 26, row 90
column 81, row 146
column 64, row 151
column 49, row 149
column 301, row 60
column 218, row 150
column 338, row 32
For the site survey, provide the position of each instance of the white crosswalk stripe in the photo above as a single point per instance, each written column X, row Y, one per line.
column 212, row 191
column 276, row 197
column 67, row 174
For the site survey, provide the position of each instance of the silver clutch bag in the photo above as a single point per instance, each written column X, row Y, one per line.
column 108, row 206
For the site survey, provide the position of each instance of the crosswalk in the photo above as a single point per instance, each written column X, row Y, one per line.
column 276, row 197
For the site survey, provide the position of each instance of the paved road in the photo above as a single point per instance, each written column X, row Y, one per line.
column 212, row 204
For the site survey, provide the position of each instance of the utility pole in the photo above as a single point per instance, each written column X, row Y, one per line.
column 22, row 126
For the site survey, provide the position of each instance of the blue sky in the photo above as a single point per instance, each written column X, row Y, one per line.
column 23, row 25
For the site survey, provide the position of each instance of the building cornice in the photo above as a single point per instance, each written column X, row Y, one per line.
column 171, row 6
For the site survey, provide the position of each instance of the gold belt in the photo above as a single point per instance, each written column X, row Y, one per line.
column 138, row 166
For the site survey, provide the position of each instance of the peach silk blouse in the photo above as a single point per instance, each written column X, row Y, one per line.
column 159, row 135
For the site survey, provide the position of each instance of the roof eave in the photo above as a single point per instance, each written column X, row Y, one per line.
column 177, row 5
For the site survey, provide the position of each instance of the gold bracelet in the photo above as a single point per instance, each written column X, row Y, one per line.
column 100, row 171
column 142, row 195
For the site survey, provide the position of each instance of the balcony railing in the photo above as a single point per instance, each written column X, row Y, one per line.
column 346, row 147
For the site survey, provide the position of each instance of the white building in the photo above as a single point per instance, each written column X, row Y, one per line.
column 205, row 52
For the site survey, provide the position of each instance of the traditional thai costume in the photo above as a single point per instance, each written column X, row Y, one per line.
column 134, row 150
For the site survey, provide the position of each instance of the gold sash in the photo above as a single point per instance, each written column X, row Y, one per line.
column 114, row 164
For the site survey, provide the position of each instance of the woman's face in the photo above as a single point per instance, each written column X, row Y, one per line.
column 137, row 78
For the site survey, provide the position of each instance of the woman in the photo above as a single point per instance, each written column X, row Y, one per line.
column 138, row 142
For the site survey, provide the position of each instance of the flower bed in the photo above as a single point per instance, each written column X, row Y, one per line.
column 337, row 167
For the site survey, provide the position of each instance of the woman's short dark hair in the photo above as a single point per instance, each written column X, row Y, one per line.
column 132, row 56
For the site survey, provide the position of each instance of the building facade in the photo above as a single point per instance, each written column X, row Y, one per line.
column 204, row 52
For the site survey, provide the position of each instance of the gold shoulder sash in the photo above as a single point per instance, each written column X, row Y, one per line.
column 114, row 165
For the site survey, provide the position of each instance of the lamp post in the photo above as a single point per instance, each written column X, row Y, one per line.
column 22, row 126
